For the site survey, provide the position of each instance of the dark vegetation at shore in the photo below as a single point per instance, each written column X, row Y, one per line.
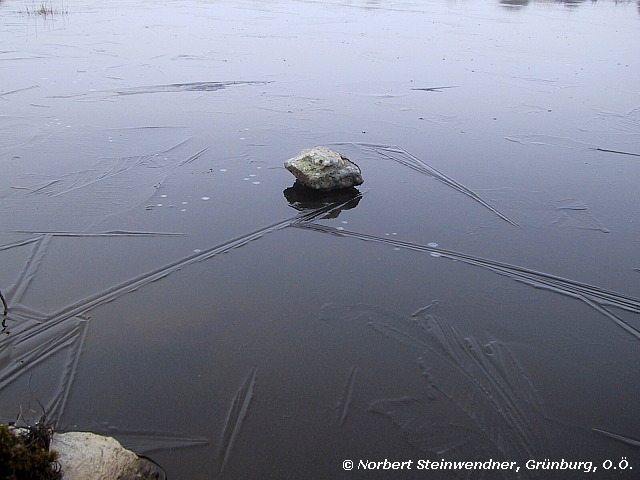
column 25, row 454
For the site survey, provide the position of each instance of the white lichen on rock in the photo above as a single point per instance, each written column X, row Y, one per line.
column 321, row 168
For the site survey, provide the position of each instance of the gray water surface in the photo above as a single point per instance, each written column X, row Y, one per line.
column 478, row 298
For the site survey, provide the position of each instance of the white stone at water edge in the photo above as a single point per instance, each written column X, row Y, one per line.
column 84, row 456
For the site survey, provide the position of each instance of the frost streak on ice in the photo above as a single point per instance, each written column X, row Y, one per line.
column 480, row 402
column 237, row 414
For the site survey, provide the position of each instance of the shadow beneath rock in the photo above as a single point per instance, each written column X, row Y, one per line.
column 303, row 198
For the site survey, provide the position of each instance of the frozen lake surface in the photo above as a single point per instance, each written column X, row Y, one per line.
column 478, row 299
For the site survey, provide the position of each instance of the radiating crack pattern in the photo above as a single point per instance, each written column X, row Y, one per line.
column 478, row 403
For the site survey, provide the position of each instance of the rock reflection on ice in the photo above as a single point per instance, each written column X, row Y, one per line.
column 306, row 199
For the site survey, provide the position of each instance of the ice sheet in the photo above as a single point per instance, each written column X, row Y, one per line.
column 595, row 297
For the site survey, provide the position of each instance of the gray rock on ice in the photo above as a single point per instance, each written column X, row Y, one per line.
column 321, row 168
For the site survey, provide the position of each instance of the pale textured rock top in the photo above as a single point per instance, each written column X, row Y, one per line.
column 321, row 168
column 84, row 456
column 322, row 156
